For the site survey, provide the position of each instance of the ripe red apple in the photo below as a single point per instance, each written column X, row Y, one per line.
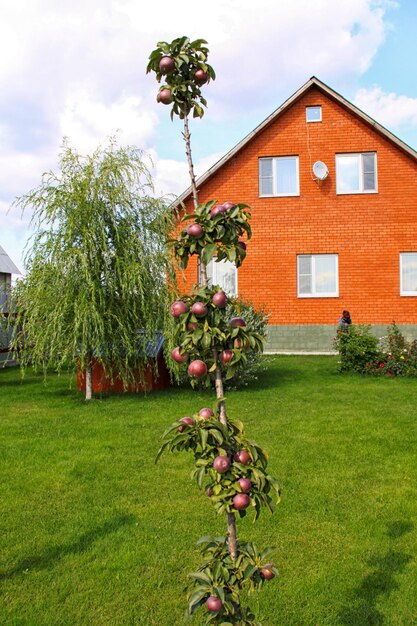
column 192, row 326
column 199, row 309
column 197, row 369
column 229, row 205
column 221, row 463
column 241, row 244
column 178, row 308
column 205, row 413
column 241, row 501
column 164, row 96
column 187, row 421
column 201, row 77
column 220, row 299
column 226, row 356
column 213, row 604
column 216, row 210
column 243, row 456
column 237, row 321
column 166, row 65
column 195, row 230
column 209, row 492
column 267, row 573
column 245, row 484
column 177, row 356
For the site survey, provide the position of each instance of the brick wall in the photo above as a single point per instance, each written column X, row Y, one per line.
column 367, row 231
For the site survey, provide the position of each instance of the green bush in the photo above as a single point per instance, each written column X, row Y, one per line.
column 360, row 351
column 256, row 321
column 357, row 348
column 399, row 356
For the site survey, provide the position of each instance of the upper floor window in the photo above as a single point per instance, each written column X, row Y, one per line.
column 313, row 114
column 356, row 173
column 278, row 176
column 223, row 274
column 408, row 274
column 317, row 275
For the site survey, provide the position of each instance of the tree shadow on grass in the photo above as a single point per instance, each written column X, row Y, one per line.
column 54, row 554
column 362, row 609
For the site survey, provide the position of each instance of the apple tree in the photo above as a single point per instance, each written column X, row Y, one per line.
column 230, row 468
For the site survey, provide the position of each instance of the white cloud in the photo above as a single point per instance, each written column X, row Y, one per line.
column 87, row 121
column 171, row 176
column 390, row 109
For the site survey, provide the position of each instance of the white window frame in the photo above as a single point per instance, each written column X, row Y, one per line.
column 275, row 193
column 402, row 291
column 308, row 109
column 314, row 293
column 361, row 190
column 214, row 265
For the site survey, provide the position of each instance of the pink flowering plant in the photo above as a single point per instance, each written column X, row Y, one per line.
column 361, row 351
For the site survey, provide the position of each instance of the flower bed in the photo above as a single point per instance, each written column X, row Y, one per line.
column 391, row 355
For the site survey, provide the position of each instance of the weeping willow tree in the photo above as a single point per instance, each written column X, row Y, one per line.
column 96, row 267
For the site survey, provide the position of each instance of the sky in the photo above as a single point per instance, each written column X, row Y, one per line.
column 78, row 70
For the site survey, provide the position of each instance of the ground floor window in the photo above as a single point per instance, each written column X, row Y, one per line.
column 223, row 274
column 317, row 275
column 408, row 273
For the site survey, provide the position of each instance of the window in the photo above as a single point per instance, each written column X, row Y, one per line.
column 317, row 275
column 313, row 114
column 356, row 173
column 278, row 176
column 408, row 274
column 223, row 274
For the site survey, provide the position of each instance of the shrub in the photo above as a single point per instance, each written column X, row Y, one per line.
column 362, row 352
column 399, row 355
column 256, row 321
column 357, row 348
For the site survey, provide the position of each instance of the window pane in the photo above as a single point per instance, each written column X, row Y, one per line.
column 304, row 264
column 348, row 173
column 369, row 182
column 409, row 272
column 225, row 276
column 304, row 284
column 266, row 187
column 286, row 175
column 313, row 114
column 266, row 167
column 368, row 172
column 325, row 275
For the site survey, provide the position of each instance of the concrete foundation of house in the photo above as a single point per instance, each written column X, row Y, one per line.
column 318, row 338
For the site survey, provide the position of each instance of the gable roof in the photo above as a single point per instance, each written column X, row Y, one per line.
column 312, row 82
column 6, row 264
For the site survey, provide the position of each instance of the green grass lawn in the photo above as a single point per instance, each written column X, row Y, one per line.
column 92, row 532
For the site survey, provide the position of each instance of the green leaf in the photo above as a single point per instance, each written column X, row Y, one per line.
column 206, row 341
column 203, row 437
column 201, row 576
column 208, row 253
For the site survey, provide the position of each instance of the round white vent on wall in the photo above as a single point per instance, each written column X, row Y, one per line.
column 320, row 170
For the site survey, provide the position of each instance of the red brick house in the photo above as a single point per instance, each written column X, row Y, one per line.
column 334, row 199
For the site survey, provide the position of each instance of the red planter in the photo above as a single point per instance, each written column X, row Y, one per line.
column 153, row 379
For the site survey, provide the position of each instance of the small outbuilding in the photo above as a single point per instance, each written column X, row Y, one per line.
column 7, row 268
